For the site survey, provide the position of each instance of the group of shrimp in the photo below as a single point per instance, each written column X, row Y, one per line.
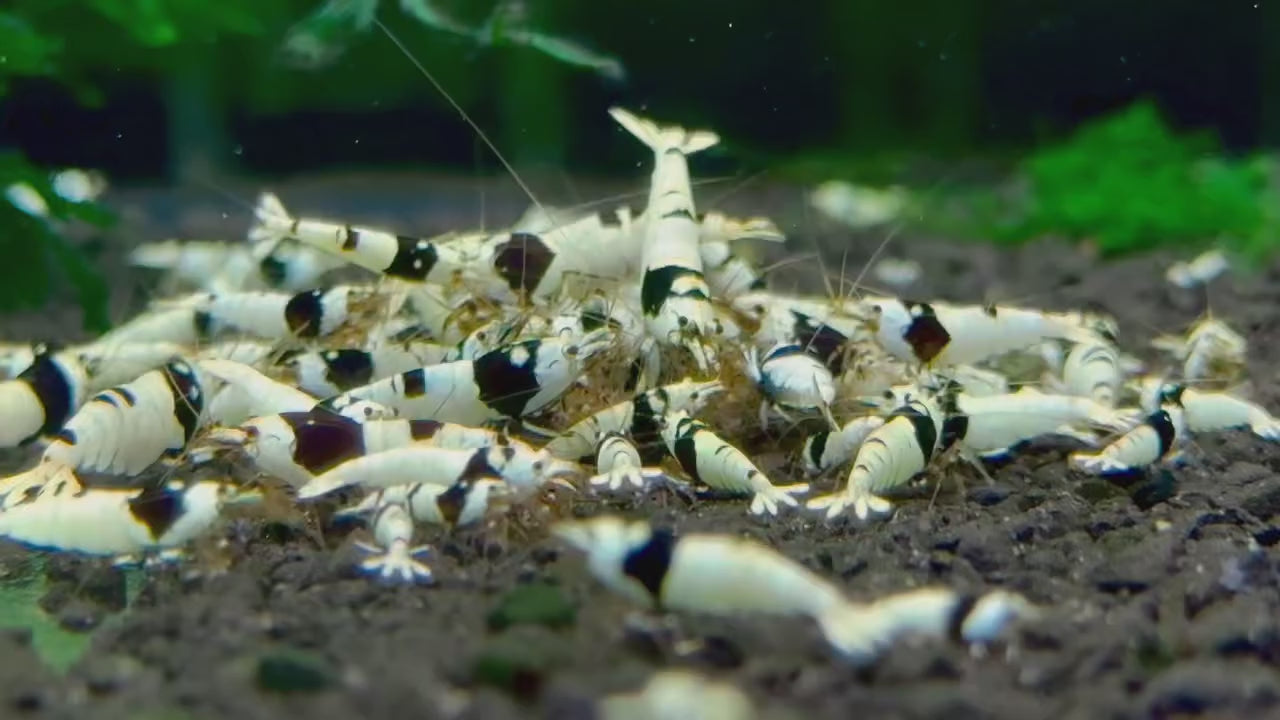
column 431, row 386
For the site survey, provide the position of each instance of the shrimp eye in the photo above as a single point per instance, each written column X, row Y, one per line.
column 877, row 309
column 537, row 466
column 571, row 351
column 682, row 321
column 758, row 309
column 368, row 412
column 888, row 394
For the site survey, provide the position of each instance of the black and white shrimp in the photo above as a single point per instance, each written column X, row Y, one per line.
column 411, row 465
column 127, row 428
column 398, row 256
column 276, row 315
column 675, row 297
column 223, row 266
column 891, row 455
column 466, row 502
column 732, row 576
column 331, row 372
column 1206, row 411
column 42, row 397
column 297, row 446
column 247, row 393
column 111, row 364
column 1211, row 351
column 976, row 381
column 728, row 275
column 988, row 426
column 618, row 465
column 68, row 517
column 1092, row 370
column 190, row 262
column 393, row 557
column 791, row 379
column 861, row 632
column 1200, row 270
column 708, row 459
column 636, row 418
column 16, row 357
column 678, row 693
column 177, row 321
column 938, row 335
column 701, row 573
column 1157, row 439
column 514, row 381
column 825, row 450
column 820, row 326
column 535, row 266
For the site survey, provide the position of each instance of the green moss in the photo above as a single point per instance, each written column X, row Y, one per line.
column 534, row 604
column 36, row 253
column 20, row 591
column 1129, row 182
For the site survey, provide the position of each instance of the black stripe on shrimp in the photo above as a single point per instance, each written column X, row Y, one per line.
column 656, row 286
column 157, row 507
column 188, row 397
column 926, row 432
column 926, row 335
column 507, row 378
column 304, row 313
column 650, row 562
column 53, row 386
column 522, row 261
column 415, row 257
column 347, row 368
column 323, row 440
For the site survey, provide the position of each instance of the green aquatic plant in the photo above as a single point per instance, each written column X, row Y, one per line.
column 33, row 218
column 44, row 38
column 1129, row 182
column 20, row 593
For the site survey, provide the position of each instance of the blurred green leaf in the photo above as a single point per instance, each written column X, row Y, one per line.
column 20, row 608
column 36, row 253
column 23, row 51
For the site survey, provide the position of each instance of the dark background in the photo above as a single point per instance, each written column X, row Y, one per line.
column 840, row 80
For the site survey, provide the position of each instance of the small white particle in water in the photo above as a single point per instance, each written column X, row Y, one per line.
column 238, row 151
column 692, row 39
column 731, row 24
column 1124, row 59
column 357, row 141
column 942, row 56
